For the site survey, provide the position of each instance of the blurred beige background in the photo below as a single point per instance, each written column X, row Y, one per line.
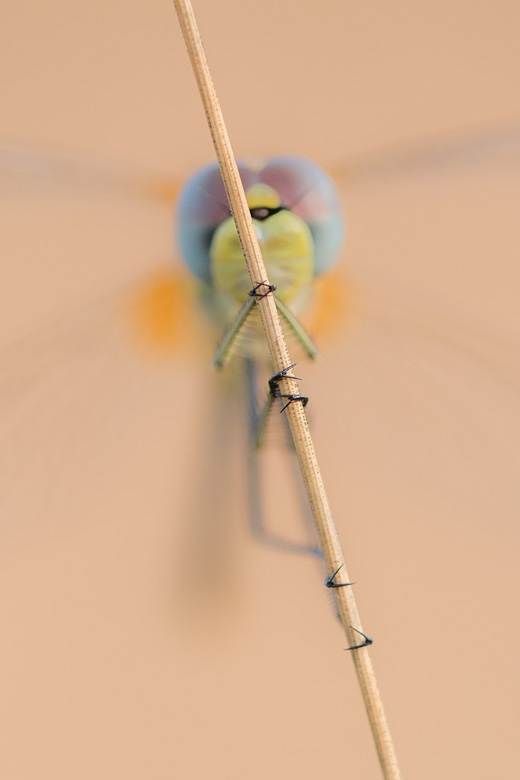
column 144, row 634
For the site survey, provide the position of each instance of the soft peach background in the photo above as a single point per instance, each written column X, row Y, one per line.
column 144, row 634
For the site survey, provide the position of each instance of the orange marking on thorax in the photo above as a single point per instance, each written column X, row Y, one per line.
column 331, row 307
column 163, row 315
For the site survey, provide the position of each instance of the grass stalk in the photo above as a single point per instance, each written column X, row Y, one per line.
column 326, row 529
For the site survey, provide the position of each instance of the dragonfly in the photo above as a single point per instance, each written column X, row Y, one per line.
column 297, row 214
column 159, row 311
column 124, row 454
column 114, row 396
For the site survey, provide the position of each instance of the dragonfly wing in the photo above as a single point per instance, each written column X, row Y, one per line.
column 412, row 257
column 78, row 408
column 430, row 369
column 31, row 171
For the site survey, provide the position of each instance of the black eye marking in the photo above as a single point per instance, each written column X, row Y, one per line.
column 264, row 212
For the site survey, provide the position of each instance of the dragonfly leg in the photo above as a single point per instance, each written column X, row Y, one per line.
column 329, row 582
column 367, row 640
column 256, row 516
column 255, row 492
column 224, row 350
column 254, row 293
column 274, row 388
column 299, row 331
column 260, row 420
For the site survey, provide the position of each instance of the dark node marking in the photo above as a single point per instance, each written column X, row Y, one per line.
column 329, row 582
column 368, row 640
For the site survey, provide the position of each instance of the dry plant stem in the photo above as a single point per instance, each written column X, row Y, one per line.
column 295, row 413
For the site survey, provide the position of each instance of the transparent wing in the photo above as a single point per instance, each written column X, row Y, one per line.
column 85, row 341
column 431, row 367
column 429, row 328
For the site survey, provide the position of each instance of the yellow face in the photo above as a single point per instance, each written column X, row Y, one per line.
column 286, row 244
